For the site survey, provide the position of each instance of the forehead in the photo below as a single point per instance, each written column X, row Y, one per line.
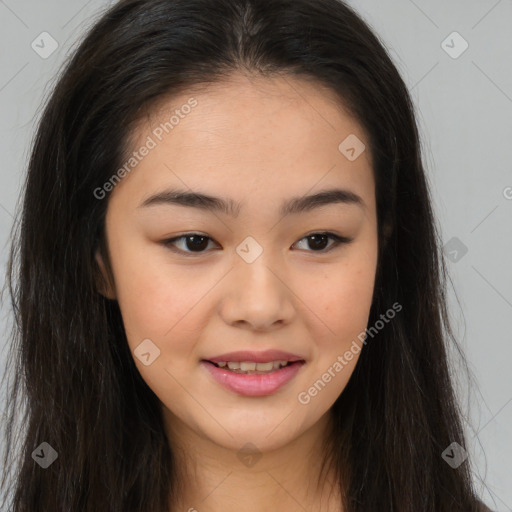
column 246, row 134
column 254, row 105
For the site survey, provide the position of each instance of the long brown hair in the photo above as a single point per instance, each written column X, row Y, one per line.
column 75, row 384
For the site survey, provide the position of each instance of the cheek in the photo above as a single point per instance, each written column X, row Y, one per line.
column 160, row 305
column 154, row 297
column 341, row 305
column 341, row 302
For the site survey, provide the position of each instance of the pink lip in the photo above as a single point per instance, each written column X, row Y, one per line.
column 256, row 357
column 253, row 384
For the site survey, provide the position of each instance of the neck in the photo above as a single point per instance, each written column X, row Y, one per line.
column 214, row 478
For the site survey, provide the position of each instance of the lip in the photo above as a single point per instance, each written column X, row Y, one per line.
column 253, row 384
column 256, row 357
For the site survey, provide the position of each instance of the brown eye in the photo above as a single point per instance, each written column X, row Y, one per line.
column 193, row 243
column 318, row 242
column 196, row 243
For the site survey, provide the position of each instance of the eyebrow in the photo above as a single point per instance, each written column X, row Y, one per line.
column 295, row 205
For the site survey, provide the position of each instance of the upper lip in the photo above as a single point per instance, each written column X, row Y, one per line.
column 256, row 357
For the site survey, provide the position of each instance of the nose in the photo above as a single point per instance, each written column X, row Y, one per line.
column 258, row 296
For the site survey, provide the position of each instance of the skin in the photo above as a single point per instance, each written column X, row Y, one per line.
column 260, row 142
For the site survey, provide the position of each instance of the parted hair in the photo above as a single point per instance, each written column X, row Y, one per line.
column 74, row 382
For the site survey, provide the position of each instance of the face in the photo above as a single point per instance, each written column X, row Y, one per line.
column 259, row 269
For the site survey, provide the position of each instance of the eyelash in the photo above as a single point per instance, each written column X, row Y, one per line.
column 339, row 240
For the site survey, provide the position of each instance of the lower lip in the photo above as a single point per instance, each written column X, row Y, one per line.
column 253, row 384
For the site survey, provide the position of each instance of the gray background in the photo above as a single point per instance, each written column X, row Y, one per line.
column 464, row 108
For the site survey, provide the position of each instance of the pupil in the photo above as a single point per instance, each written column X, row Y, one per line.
column 315, row 239
column 196, row 245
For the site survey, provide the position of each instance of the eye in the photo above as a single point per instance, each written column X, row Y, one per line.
column 197, row 243
column 318, row 240
column 193, row 242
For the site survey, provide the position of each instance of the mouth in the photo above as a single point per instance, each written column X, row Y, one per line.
column 251, row 379
column 252, row 368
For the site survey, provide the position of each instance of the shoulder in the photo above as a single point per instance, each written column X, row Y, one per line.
column 482, row 508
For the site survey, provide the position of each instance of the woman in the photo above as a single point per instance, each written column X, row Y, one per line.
column 229, row 289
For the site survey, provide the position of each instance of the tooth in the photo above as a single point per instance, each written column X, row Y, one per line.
column 247, row 366
column 264, row 367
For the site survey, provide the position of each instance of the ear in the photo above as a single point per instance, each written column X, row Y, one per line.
column 104, row 284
